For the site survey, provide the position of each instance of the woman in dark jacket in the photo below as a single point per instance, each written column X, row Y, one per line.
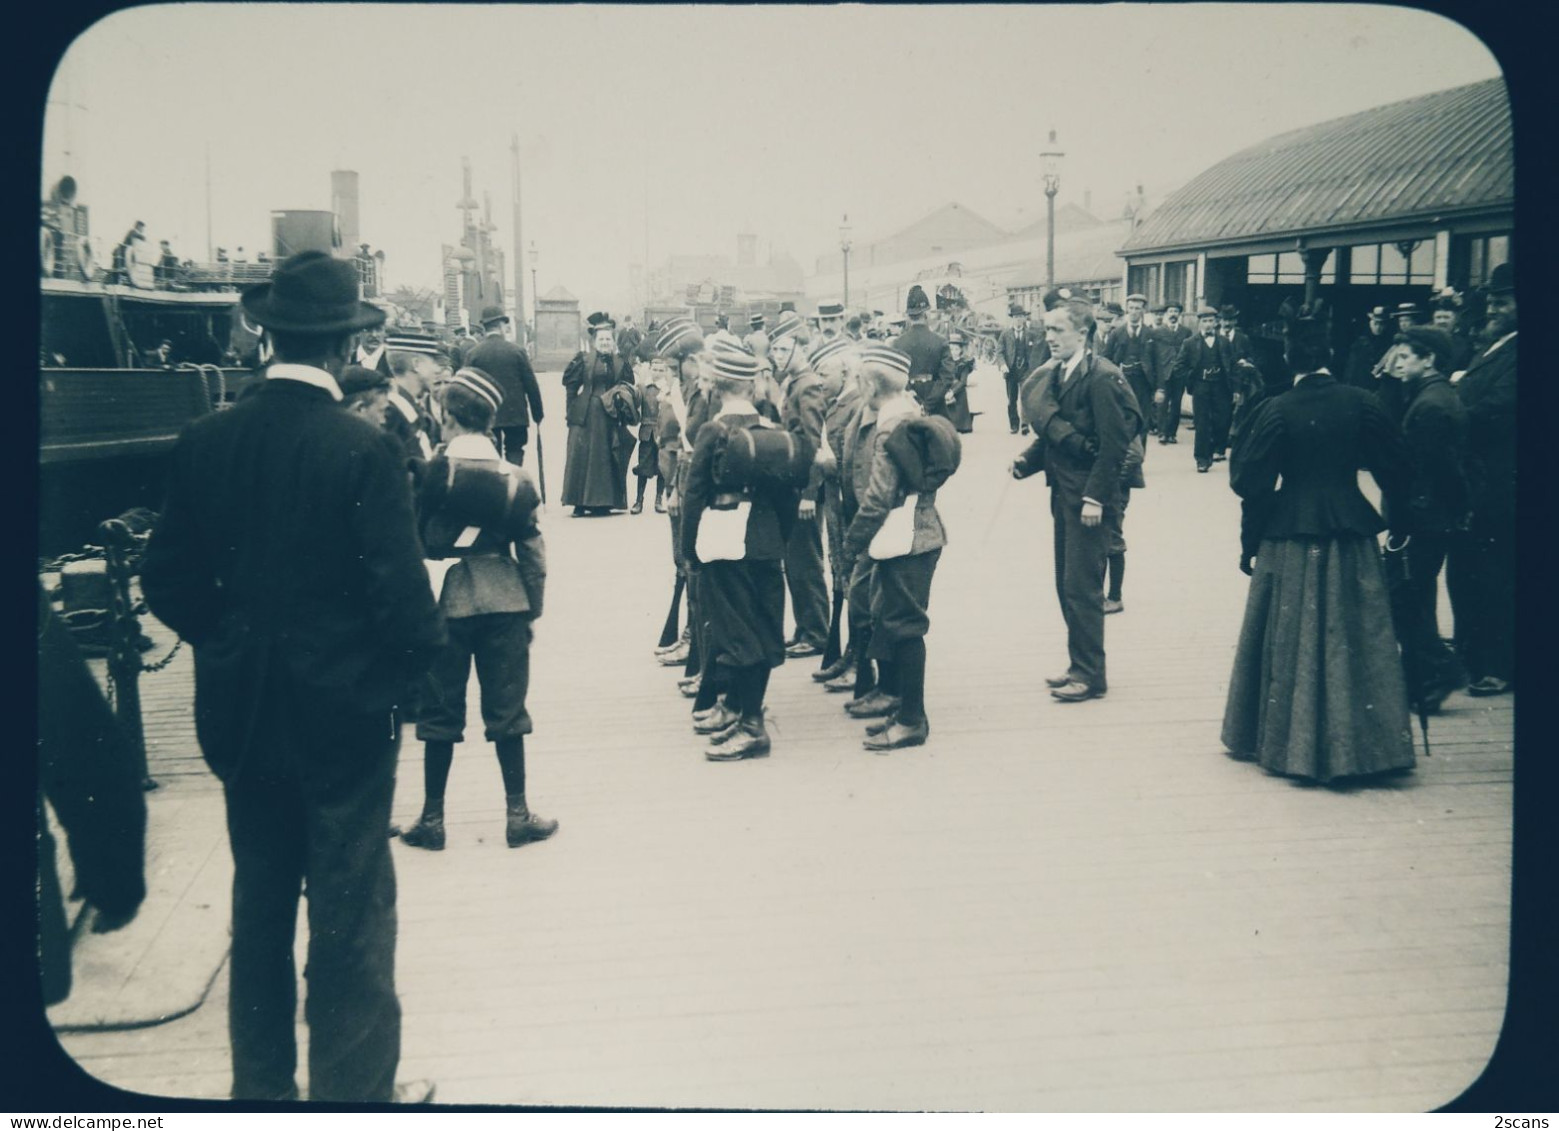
column 1317, row 690
column 595, row 472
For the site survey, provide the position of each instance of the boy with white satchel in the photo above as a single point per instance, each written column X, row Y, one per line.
column 898, row 528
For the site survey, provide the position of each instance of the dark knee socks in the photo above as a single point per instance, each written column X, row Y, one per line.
column 865, row 674
column 436, row 760
column 511, row 763
column 639, row 499
column 909, row 664
column 1117, row 574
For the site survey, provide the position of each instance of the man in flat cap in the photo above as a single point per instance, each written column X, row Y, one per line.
column 287, row 556
column 1170, row 390
column 1129, row 345
column 1022, row 351
column 510, row 366
column 1206, row 366
column 1482, row 572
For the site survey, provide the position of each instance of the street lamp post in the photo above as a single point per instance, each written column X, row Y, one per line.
column 1050, row 166
column 844, row 246
column 535, row 295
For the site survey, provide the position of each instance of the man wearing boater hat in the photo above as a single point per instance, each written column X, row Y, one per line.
column 508, row 365
column 287, row 556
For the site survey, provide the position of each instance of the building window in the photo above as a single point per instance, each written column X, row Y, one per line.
column 1485, row 254
column 1145, row 280
column 1287, row 267
column 1384, row 264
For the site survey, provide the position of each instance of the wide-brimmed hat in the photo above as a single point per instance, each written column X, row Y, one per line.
column 491, row 314
column 830, row 310
column 1406, row 310
column 1230, row 311
column 311, row 293
column 1014, row 310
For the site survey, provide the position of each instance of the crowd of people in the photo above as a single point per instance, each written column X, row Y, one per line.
column 798, row 465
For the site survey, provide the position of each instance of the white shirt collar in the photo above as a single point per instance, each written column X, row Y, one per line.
column 307, row 374
column 1070, row 367
column 900, row 404
column 369, row 360
column 471, row 445
column 1499, row 343
column 1321, row 372
column 737, row 406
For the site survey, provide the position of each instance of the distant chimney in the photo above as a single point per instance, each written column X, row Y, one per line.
column 746, row 250
column 343, row 202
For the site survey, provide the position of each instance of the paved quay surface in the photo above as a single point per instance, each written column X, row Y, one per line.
column 1048, row 907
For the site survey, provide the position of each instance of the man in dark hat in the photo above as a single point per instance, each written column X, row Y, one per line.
column 930, row 361
column 287, row 556
column 1482, row 573
column 1248, row 387
column 1022, row 351
column 830, row 318
column 370, row 352
column 1368, row 348
column 365, row 392
column 1206, row 366
column 510, row 366
column 1407, row 315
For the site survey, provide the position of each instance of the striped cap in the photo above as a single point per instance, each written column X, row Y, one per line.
column 830, row 310
column 724, row 343
column 678, row 333
column 409, row 341
column 756, row 321
column 828, row 349
column 786, row 324
column 480, row 384
column 738, row 366
column 886, row 356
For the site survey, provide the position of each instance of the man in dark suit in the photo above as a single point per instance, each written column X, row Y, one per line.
column 1366, row 351
column 1430, row 516
column 1167, row 340
column 1077, row 406
column 1020, row 355
column 1482, row 574
column 370, row 352
column 507, row 364
column 1249, row 387
column 1130, row 347
column 1206, row 365
column 930, row 361
column 288, row 557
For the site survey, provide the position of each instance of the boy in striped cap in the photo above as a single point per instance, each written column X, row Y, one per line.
column 835, row 363
column 742, row 597
column 900, row 585
column 482, row 512
column 803, row 409
column 415, row 360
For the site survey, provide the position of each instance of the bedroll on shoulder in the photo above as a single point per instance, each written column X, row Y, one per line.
column 762, row 457
column 926, row 450
column 457, row 494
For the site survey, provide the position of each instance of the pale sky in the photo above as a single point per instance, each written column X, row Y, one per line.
column 775, row 120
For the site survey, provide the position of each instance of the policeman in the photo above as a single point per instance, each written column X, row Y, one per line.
column 931, row 363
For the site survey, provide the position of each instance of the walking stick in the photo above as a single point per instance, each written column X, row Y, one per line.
column 834, row 647
column 541, row 464
column 672, row 629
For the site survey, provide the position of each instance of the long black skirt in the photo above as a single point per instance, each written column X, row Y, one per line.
column 1317, row 689
column 743, row 605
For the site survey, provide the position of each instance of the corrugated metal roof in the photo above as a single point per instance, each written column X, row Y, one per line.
column 1447, row 150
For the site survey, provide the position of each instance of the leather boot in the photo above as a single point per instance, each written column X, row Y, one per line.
column 428, row 832
column 750, row 739
column 877, row 705
column 523, row 826
column 843, row 664
column 718, row 719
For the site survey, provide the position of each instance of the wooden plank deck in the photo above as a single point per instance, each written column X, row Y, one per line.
column 1048, row 907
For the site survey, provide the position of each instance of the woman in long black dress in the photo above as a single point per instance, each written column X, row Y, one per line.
column 1317, row 690
column 595, row 474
